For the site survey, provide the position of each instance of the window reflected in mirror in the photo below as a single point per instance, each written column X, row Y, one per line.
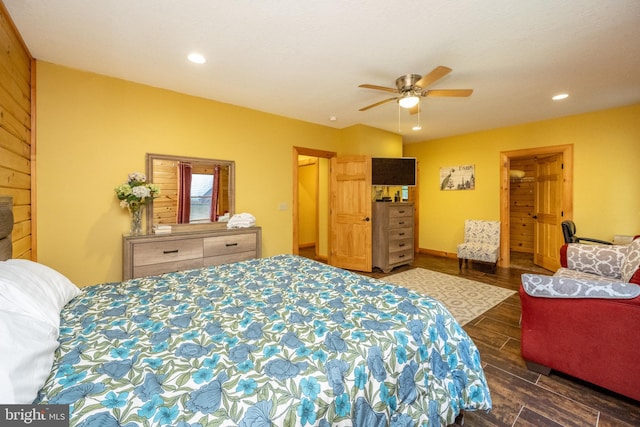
column 192, row 190
column 201, row 200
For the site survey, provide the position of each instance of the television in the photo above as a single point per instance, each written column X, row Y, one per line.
column 393, row 171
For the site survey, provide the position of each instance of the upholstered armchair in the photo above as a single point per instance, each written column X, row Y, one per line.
column 584, row 319
column 481, row 242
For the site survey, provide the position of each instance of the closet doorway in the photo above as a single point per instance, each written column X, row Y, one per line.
column 310, row 206
column 534, row 202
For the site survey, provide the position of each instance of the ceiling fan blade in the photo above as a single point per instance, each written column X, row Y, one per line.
column 378, row 103
column 459, row 93
column 386, row 89
column 435, row 74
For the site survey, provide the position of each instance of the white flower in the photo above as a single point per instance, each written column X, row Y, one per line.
column 137, row 177
column 141, row 191
column 136, row 192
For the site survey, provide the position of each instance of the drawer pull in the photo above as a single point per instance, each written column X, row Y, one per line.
column 401, row 256
column 401, row 211
column 400, row 234
column 400, row 222
column 175, row 251
column 231, row 244
column 401, row 245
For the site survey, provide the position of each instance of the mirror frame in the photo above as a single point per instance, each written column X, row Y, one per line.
column 150, row 157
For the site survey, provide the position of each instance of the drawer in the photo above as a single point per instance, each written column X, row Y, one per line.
column 400, row 245
column 401, row 222
column 231, row 244
column 401, row 256
column 166, row 267
column 401, row 211
column 400, row 233
column 167, row 251
column 225, row 259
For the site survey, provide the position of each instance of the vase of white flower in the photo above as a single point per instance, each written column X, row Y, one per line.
column 136, row 219
column 134, row 195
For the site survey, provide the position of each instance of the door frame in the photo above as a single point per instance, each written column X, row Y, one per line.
column 312, row 152
column 505, row 197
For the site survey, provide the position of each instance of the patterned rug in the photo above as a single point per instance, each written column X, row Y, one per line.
column 466, row 299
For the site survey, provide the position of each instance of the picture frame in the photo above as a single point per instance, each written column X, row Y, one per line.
column 462, row 177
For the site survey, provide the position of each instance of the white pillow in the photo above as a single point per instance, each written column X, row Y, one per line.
column 31, row 288
column 27, row 349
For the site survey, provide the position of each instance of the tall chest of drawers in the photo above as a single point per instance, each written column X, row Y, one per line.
column 392, row 240
column 153, row 254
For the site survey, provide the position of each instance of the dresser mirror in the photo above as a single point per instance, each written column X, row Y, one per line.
column 195, row 193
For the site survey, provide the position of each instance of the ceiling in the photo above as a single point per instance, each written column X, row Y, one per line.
column 305, row 59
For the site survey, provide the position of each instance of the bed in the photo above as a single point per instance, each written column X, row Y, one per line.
column 279, row 341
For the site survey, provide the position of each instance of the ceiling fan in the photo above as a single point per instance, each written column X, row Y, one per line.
column 411, row 87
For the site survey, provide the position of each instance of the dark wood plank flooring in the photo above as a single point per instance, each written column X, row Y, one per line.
column 521, row 397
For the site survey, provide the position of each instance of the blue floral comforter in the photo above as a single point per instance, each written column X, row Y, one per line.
column 281, row 341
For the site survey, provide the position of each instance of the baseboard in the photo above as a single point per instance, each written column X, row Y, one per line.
column 445, row 254
column 433, row 252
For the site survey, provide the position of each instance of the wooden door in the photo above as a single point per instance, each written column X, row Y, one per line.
column 548, row 212
column 350, row 213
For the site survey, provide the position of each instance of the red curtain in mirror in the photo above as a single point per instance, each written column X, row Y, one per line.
column 215, row 193
column 184, row 193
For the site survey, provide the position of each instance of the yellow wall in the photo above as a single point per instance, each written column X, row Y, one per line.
column 307, row 199
column 365, row 140
column 93, row 130
column 606, row 174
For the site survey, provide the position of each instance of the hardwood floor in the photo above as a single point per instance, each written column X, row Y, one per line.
column 521, row 397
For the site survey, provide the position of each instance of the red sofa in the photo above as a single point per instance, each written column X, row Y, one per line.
column 572, row 324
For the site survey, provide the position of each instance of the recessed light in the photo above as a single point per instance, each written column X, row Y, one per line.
column 196, row 58
column 560, row 96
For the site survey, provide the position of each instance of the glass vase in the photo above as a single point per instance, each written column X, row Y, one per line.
column 136, row 219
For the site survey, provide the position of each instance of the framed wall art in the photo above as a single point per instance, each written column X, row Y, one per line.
column 457, row 177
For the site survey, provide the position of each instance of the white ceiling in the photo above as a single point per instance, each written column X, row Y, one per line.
column 305, row 59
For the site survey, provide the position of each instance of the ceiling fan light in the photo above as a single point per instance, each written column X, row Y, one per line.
column 196, row 58
column 408, row 101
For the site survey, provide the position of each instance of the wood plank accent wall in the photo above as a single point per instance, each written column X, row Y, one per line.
column 521, row 209
column 17, row 149
column 165, row 206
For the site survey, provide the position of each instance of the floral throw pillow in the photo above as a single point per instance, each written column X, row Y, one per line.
column 603, row 260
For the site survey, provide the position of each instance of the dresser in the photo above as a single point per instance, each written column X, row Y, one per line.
column 392, row 239
column 153, row 254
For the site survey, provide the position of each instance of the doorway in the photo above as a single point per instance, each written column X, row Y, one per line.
column 310, row 207
column 552, row 199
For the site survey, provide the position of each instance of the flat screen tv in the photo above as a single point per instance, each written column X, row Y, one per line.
column 393, row 171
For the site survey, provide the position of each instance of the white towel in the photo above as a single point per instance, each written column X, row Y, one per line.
column 241, row 220
column 161, row 229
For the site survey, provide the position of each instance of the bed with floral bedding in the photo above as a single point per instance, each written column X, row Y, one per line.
column 277, row 341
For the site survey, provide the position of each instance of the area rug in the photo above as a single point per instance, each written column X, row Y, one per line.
column 465, row 299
